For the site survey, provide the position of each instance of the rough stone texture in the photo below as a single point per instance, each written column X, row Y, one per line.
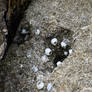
column 2, row 26
column 76, row 77
column 51, row 16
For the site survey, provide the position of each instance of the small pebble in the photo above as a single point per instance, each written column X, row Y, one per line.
column 48, row 51
column 65, row 53
column 37, row 32
column 5, row 31
column 85, row 27
column 30, row 22
column 40, row 85
column 70, row 51
column 24, row 31
column 21, row 66
column 54, row 41
column 59, row 63
column 34, row 68
column 63, row 44
column 29, row 54
column 47, row 72
column 40, row 77
column 49, row 86
column 53, row 89
column 44, row 58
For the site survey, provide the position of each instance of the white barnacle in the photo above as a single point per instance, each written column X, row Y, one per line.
column 29, row 55
column 34, row 68
column 40, row 85
column 65, row 53
column 49, row 86
column 85, row 27
column 5, row 31
column 70, row 51
column 24, row 31
column 44, row 58
column 48, row 51
column 21, row 66
column 54, row 41
column 64, row 43
column 37, row 32
column 59, row 63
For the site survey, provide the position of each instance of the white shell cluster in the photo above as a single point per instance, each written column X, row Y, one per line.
column 54, row 41
column 40, row 85
column 44, row 58
column 37, row 32
column 48, row 51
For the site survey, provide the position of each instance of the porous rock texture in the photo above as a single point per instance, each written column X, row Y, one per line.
column 50, row 17
column 76, row 77
column 2, row 26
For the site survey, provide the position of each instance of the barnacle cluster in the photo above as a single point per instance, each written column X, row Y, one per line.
column 58, row 46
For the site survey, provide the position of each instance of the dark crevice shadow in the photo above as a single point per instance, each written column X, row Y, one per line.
column 12, row 26
column 13, row 22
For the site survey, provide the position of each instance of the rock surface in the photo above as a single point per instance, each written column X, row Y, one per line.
column 3, row 28
column 76, row 77
column 59, row 19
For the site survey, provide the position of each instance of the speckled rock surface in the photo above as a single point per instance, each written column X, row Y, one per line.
column 2, row 45
column 3, row 29
column 76, row 77
column 54, row 18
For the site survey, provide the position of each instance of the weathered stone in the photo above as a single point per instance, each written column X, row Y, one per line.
column 2, row 26
column 75, row 71
column 50, row 17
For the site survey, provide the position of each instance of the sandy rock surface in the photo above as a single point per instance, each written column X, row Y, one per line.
column 76, row 77
column 61, row 19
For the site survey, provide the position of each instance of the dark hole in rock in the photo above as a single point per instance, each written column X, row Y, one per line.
column 60, row 56
column 20, row 38
column 23, row 33
column 14, row 21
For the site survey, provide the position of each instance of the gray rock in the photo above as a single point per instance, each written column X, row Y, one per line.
column 3, row 29
column 75, row 72
column 64, row 20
